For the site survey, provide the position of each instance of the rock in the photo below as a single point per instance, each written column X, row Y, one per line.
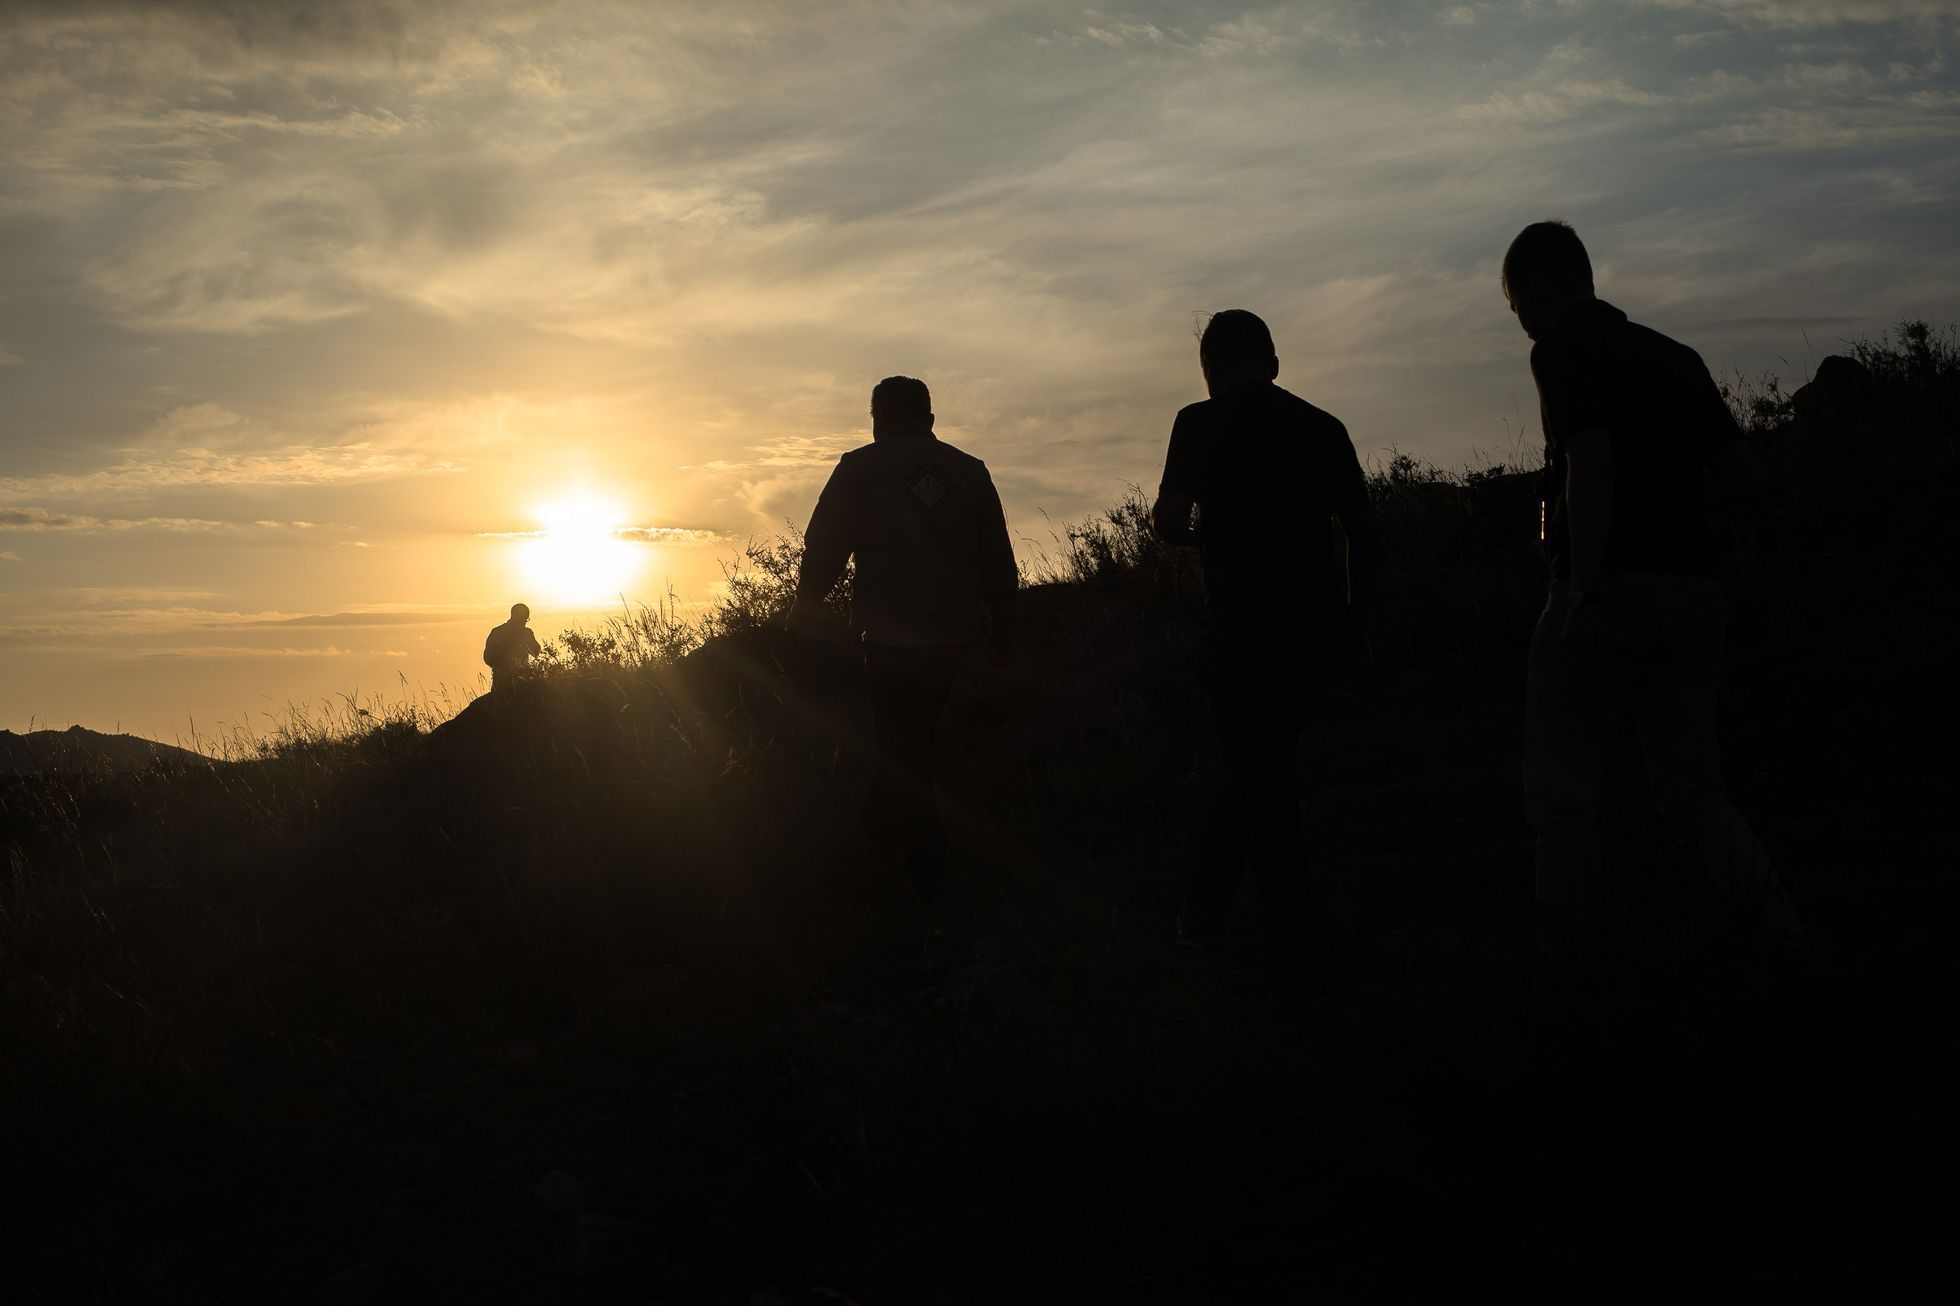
column 1841, row 384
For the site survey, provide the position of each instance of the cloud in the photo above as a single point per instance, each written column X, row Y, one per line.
column 45, row 521
column 8, row 358
column 1818, row 13
column 40, row 519
column 206, row 445
column 1893, row 121
column 332, row 253
column 8, row 555
column 1560, row 103
column 90, row 595
column 196, row 651
column 791, row 451
column 677, row 535
column 402, row 618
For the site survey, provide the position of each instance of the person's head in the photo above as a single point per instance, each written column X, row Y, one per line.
column 1235, row 348
column 520, row 614
column 900, row 404
column 1546, row 271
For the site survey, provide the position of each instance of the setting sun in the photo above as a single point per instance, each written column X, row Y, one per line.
column 578, row 556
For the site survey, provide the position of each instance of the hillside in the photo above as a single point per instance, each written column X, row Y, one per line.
column 77, row 749
column 591, row 998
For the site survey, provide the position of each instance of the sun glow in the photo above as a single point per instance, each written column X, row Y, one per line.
column 579, row 557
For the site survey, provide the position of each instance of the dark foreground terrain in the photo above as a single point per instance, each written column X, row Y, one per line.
column 594, row 998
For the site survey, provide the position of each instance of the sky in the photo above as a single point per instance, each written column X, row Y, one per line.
column 327, row 331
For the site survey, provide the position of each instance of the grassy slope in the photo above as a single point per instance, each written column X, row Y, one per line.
column 323, row 1020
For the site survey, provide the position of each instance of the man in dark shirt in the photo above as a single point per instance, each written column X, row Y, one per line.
column 1267, row 474
column 509, row 648
column 1634, row 428
column 935, row 575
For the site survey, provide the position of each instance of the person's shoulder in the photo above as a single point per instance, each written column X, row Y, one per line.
column 1650, row 338
column 854, row 465
column 960, row 458
column 1663, row 353
column 1197, row 414
column 1666, row 345
column 1305, row 411
column 1557, row 350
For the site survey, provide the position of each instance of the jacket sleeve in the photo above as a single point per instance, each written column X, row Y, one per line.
column 1000, row 579
column 831, row 537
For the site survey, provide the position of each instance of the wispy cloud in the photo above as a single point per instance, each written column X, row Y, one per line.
column 679, row 535
column 363, row 619
column 128, row 595
column 41, row 519
column 198, row 651
column 1818, row 13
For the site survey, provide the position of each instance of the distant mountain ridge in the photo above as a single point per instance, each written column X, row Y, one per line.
column 80, row 749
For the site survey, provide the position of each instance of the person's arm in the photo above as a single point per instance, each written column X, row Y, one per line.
column 1588, row 505
column 1000, row 579
column 531, row 638
column 1356, row 516
column 1364, row 556
column 1170, row 516
column 827, row 546
column 1572, row 394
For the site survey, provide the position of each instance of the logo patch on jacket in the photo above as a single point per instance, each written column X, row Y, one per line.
column 927, row 488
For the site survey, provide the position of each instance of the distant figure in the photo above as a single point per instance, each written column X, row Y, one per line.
column 1268, row 474
column 1635, row 618
column 935, row 575
column 509, row 649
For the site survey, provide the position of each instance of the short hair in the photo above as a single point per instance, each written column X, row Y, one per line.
column 901, row 399
column 1548, row 254
column 519, row 610
column 1236, row 336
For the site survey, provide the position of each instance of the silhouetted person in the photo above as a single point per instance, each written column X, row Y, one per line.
column 1633, row 423
column 509, row 649
column 935, row 575
column 1267, row 473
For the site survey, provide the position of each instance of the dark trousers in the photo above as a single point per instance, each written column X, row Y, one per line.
column 908, row 688
column 1264, row 684
column 1652, row 653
